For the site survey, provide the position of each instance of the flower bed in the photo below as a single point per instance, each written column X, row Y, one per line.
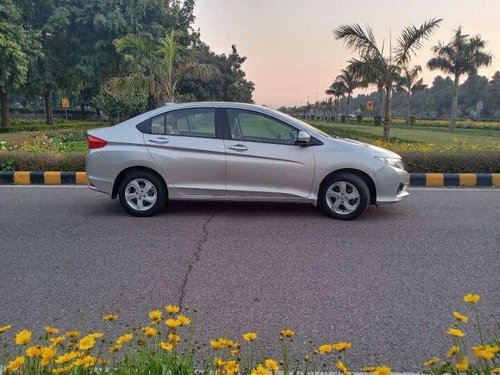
column 165, row 345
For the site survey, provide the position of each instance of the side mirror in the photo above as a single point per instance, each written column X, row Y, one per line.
column 303, row 138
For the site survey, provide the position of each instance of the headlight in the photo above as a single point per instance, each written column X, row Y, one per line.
column 393, row 162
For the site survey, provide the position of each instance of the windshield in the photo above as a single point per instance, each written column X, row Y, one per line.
column 308, row 126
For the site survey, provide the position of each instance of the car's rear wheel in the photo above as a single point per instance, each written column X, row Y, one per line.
column 142, row 194
column 344, row 196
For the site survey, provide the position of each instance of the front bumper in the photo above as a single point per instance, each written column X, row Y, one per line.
column 391, row 184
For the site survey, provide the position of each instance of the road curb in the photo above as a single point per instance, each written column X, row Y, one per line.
column 416, row 179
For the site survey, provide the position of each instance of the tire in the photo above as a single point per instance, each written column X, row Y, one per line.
column 142, row 194
column 343, row 196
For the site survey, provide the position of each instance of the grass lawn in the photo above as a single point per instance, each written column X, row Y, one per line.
column 425, row 135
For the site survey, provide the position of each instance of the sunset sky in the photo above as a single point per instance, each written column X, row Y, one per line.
column 292, row 55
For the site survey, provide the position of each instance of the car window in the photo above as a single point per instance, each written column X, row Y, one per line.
column 158, row 125
column 191, row 122
column 253, row 126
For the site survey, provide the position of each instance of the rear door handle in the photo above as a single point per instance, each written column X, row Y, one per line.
column 238, row 147
column 159, row 140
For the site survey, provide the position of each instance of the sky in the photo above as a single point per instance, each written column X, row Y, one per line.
column 292, row 54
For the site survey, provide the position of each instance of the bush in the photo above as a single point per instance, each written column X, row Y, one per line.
column 164, row 345
column 43, row 161
column 121, row 107
column 473, row 162
column 39, row 125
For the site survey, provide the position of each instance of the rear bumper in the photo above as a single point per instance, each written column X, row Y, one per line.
column 100, row 173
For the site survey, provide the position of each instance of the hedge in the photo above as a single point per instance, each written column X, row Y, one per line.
column 476, row 162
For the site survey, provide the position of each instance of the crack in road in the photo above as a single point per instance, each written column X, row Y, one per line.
column 197, row 255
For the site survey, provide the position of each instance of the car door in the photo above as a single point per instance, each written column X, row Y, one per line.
column 186, row 145
column 262, row 158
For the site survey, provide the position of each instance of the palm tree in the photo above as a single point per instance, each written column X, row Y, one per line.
column 156, row 67
column 461, row 55
column 374, row 67
column 350, row 82
column 409, row 83
column 338, row 90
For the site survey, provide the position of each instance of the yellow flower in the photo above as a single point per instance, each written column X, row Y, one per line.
column 86, row 342
column 62, row 370
column 382, row 370
column 460, row 317
column 172, row 337
column 23, row 337
column 495, row 371
column 67, row 357
column 115, row 348
column 219, row 362
column 110, row 317
column 123, row 339
column 149, row 331
column 15, row 364
column 72, row 334
column 33, row 351
column 51, row 330
column 232, row 367
column 260, row 370
column 462, row 364
column 231, row 344
column 342, row 368
column 455, row 332
column 325, row 348
column 271, row 365
column 57, row 340
column 172, row 323
column 183, row 320
column 453, row 350
column 167, row 346
column 368, row 369
column 5, row 328
column 172, row 309
column 86, row 361
column 341, row 346
column 218, row 344
column 486, row 352
column 250, row 336
column 287, row 333
column 472, row 298
column 235, row 352
column 431, row 362
column 96, row 335
column 156, row 316
column 47, row 354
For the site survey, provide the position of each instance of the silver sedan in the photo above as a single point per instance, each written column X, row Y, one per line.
column 238, row 152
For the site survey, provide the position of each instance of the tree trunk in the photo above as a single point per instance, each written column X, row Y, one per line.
column 49, row 119
column 388, row 114
column 4, row 99
column 454, row 103
column 83, row 111
column 408, row 108
column 348, row 105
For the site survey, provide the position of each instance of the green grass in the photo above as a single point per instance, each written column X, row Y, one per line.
column 436, row 136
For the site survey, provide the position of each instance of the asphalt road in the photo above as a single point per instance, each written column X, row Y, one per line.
column 386, row 282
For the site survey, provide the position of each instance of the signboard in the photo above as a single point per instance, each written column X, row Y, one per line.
column 65, row 103
column 369, row 105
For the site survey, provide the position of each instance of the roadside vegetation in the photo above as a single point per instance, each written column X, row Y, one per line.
column 166, row 344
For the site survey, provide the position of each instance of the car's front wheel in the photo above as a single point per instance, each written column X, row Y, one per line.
column 344, row 196
column 142, row 194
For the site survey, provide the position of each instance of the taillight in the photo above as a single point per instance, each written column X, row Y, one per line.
column 94, row 142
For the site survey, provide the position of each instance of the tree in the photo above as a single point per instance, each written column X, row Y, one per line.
column 351, row 82
column 493, row 95
column 338, row 90
column 463, row 54
column 409, row 83
column 16, row 44
column 157, row 67
column 373, row 67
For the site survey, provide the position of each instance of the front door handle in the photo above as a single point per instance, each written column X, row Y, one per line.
column 159, row 140
column 238, row 147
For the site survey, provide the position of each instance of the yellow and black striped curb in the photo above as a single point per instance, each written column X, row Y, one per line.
column 455, row 179
column 416, row 179
column 43, row 178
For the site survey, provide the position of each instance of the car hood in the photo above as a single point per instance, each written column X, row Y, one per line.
column 368, row 148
